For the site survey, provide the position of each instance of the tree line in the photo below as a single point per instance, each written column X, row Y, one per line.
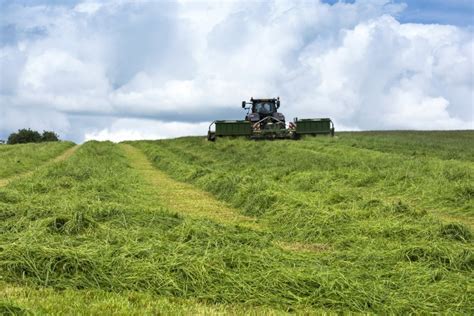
column 24, row 136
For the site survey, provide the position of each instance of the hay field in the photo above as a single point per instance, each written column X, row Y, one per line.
column 364, row 222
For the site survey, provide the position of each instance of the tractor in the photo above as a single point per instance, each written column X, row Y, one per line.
column 263, row 121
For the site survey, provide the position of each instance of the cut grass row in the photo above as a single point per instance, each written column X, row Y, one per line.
column 16, row 159
column 93, row 228
column 446, row 145
column 24, row 300
column 184, row 198
column 320, row 171
column 377, row 211
column 92, row 224
column 190, row 201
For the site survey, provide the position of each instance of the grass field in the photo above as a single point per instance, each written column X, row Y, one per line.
column 15, row 159
column 365, row 222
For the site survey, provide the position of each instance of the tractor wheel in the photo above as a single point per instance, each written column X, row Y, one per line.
column 211, row 136
column 295, row 136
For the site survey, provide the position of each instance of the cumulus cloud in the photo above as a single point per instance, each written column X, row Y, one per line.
column 136, row 129
column 123, row 64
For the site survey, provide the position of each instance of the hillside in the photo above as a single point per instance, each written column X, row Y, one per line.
column 364, row 222
column 16, row 159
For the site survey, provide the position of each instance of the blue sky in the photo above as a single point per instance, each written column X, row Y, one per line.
column 125, row 69
column 454, row 12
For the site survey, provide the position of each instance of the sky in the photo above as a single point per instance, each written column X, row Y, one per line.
column 117, row 70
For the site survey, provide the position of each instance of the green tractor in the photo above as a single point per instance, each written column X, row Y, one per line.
column 263, row 121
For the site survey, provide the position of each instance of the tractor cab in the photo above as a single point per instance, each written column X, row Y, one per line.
column 260, row 109
column 264, row 107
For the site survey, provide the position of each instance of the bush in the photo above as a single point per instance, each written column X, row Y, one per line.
column 49, row 136
column 24, row 136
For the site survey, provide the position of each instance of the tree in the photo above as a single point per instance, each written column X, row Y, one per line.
column 24, row 136
column 49, row 136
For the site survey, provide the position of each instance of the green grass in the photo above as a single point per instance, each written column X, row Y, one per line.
column 27, row 300
column 319, row 173
column 19, row 158
column 91, row 223
column 448, row 145
column 385, row 214
column 347, row 228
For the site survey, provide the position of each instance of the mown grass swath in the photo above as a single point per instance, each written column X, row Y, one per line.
column 19, row 158
column 386, row 215
column 446, row 145
column 91, row 223
column 371, row 221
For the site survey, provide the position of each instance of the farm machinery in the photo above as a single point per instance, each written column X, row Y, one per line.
column 263, row 121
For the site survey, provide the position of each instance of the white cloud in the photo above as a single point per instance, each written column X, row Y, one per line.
column 35, row 118
column 195, row 61
column 136, row 129
column 383, row 70
column 88, row 7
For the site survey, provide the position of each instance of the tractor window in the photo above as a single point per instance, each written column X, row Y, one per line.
column 264, row 107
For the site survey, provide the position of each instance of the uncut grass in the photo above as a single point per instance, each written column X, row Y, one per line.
column 15, row 159
column 376, row 211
